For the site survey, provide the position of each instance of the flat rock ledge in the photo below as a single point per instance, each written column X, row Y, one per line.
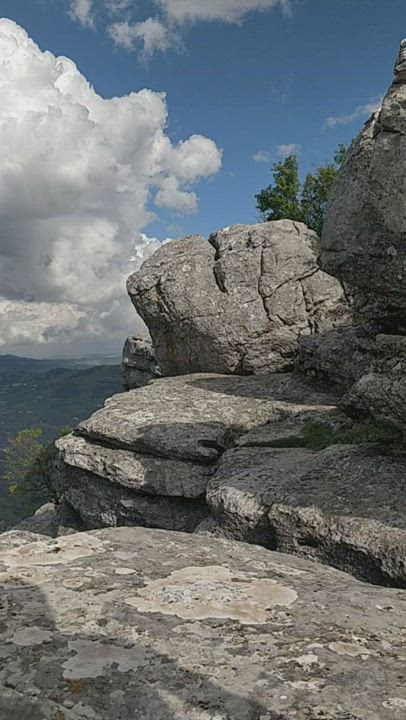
column 133, row 623
column 197, row 454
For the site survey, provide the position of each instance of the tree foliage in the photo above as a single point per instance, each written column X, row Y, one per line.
column 287, row 198
column 28, row 460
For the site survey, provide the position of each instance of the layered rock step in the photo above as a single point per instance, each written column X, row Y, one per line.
column 245, row 458
column 129, row 622
column 147, row 456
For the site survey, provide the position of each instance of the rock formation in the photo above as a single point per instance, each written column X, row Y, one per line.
column 363, row 244
column 225, row 456
column 138, row 365
column 238, row 303
column 363, row 240
column 132, row 623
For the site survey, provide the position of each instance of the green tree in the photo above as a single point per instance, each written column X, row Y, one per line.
column 281, row 200
column 28, row 461
column 287, row 198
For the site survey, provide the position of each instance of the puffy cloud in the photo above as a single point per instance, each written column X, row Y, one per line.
column 283, row 151
column 262, row 156
column 77, row 173
column 362, row 111
column 151, row 33
column 170, row 195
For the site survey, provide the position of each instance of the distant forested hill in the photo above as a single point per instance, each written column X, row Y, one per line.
column 51, row 394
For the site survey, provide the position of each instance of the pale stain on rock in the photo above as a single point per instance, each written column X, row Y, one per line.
column 213, row 592
column 92, row 659
column 351, row 649
column 306, row 661
column 31, row 636
column 65, row 551
column 124, row 571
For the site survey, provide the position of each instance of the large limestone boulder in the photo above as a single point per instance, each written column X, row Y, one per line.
column 133, row 623
column 363, row 241
column 238, row 303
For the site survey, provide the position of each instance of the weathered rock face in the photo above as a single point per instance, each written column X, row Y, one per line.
column 343, row 505
column 138, row 365
column 236, row 304
column 340, row 356
column 381, row 392
column 363, row 239
column 137, row 623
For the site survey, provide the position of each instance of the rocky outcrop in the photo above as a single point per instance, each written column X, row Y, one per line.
column 230, row 456
column 339, row 357
column 363, row 241
column 138, row 365
column 147, row 456
column 238, row 303
column 129, row 622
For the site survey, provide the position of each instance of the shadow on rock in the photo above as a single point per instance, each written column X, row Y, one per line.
column 49, row 674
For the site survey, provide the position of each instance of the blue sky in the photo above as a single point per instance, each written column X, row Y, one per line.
column 303, row 75
column 272, row 80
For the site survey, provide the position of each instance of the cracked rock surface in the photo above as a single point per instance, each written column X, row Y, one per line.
column 238, row 303
column 133, row 623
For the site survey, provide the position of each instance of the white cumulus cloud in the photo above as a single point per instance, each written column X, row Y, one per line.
column 77, row 175
column 362, row 111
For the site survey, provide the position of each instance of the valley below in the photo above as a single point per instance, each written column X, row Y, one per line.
column 50, row 394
